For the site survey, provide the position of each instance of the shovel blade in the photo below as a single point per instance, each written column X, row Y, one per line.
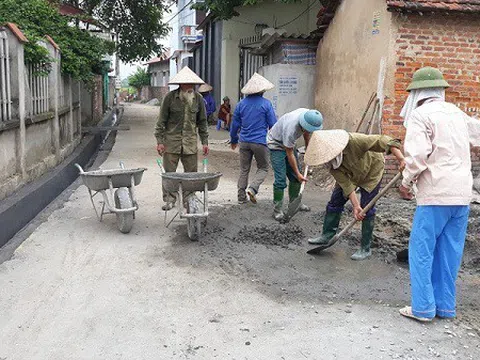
column 293, row 208
column 317, row 250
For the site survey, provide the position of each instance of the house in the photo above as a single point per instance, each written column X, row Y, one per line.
column 185, row 34
column 232, row 50
column 159, row 70
column 375, row 46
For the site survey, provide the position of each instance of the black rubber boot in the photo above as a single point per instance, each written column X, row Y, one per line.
column 330, row 227
column 367, row 236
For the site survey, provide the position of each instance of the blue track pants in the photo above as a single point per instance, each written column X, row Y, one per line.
column 435, row 255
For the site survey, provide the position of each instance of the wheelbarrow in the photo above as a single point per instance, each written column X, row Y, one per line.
column 121, row 201
column 189, row 206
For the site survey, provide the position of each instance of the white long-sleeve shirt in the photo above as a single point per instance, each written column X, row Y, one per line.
column 437, row 153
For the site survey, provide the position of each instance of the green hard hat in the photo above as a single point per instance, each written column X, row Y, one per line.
column 427, row 77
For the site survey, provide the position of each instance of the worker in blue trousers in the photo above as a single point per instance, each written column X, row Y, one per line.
column 437, row 154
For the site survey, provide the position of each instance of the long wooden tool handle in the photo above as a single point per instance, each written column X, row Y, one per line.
column 305, row 173
column 368, row 207
column 370, row 101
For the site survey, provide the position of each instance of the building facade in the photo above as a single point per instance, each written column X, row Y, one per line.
column 376, row 46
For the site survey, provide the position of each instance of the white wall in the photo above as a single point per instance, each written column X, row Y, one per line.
column 270, row 13
column 294, row 86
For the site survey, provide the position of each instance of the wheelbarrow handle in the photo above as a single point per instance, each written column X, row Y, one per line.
column 160, row 165
column 80, row 169
column 205, row 164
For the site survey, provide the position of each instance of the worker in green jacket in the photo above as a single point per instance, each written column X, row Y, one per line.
column 182, row 116
column 355, row 161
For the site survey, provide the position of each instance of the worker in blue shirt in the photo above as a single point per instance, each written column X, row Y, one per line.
column 210, row 105
column 252, row 119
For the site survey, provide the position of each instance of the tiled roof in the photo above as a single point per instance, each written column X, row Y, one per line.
column 17, row 32
column 466, row 6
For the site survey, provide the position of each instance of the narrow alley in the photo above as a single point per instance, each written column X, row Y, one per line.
column 79, row 289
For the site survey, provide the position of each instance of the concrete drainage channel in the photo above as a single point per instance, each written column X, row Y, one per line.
column 18, row 210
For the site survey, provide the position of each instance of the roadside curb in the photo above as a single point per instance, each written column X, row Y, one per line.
column 17, row 210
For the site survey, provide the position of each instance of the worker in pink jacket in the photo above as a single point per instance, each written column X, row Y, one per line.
column 437, row 155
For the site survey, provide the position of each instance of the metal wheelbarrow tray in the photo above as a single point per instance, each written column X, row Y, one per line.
column 189, row 183
column 120, row 199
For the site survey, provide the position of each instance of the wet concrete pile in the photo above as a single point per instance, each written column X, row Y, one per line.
column 273, row 234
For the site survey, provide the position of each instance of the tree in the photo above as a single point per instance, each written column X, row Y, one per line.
column 138, row 24
column 139, row 79
column 82, row 53
column 225, row 9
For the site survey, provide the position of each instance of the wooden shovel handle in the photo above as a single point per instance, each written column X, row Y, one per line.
column 305, row 173
column 370, row 205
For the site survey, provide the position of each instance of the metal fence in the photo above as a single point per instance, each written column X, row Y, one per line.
column 39, row 92
column 5, row 88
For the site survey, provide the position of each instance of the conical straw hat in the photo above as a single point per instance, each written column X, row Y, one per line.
column 257, row 84
column 186, row 76
column 205, row 88
column 325, row 145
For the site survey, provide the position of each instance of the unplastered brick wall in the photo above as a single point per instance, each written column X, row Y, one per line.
column 450, row 43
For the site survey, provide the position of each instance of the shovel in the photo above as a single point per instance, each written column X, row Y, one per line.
column 371, row 204
column 294, row 206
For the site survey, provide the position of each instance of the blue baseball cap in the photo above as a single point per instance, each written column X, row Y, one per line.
column 311, row 121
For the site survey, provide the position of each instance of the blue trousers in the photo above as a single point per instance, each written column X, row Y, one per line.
column 435, row 255
column 282, row 169
column 337, row 201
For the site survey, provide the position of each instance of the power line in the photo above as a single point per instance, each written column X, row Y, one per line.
column 178, row 13
column 299, row 16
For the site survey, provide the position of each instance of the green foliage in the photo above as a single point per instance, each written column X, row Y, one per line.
column 225, row 9
column 81, row 52
column 139, row 79
column 138, row 24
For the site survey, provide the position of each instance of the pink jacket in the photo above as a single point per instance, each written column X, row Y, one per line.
column 437, row 152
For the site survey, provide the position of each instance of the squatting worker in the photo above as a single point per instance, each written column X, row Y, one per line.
column 437, row 150
column 284, row 156
column 182, row 116
column 225, row 114
column 354, row 160
column 252, row 119
column 210, row 106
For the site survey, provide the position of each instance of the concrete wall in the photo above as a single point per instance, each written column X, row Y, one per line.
column 293, row 86
column 32, row 143
column 270, row 13
column 8, row 156
column 159, row 73
column 350, row 61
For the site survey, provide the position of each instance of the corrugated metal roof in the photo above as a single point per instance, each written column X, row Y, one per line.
column 270, row 36
column 465, row 6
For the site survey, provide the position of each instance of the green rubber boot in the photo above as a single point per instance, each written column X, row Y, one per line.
column 330, row 227
column 278, row 195
column 293, row 192
column 367, row 236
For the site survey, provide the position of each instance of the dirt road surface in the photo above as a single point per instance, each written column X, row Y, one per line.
column 79, row 289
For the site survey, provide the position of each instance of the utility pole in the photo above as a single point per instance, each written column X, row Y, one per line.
column 118, row 81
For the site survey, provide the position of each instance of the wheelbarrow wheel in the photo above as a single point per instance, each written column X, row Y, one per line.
column 194, row 225
column 124, row 201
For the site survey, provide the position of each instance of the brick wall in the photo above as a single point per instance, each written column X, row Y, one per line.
column 148, row 93
column 449, row 43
